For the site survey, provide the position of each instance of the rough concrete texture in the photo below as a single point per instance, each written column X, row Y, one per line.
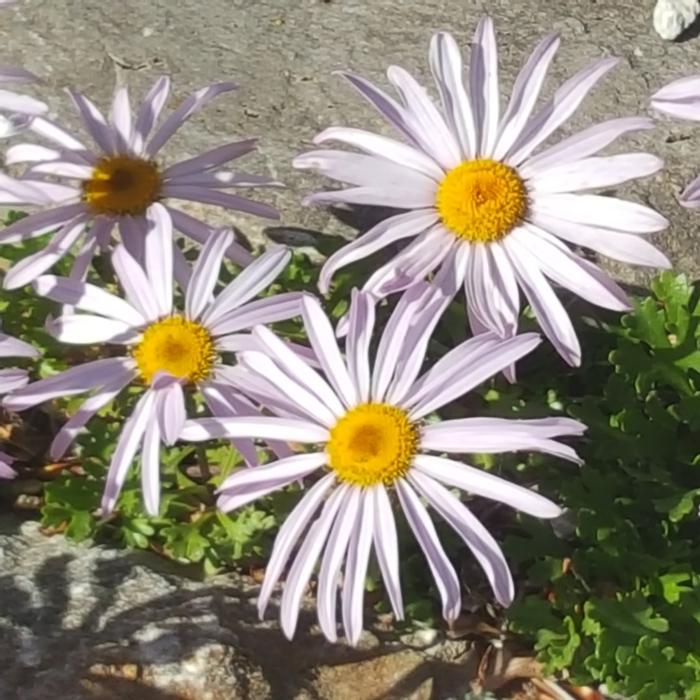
column 282, row 53
column 90, row 623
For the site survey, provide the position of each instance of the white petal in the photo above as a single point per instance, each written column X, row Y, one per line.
column 481, row 483
column 264, row 427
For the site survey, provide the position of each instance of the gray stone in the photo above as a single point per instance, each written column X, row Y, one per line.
column 283, row 54
column 79, row 622
column 673, row 17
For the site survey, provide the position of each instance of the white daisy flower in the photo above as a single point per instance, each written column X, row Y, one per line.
column 366, row 422
column 92, row 190
column 165, row 349
column 480, row 199
column 11, row 379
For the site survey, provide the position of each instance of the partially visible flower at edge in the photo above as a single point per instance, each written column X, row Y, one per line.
column 681, row 99
column 119, row 182
column 10, row 380
column 165, row 349
column 367, row 423
column 478, row 200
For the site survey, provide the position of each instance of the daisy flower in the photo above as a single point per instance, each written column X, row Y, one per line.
column 164, row 349
column 681, row 99
column 478, row 197
column 120, row 181
column 11, row 379
column 366, row 424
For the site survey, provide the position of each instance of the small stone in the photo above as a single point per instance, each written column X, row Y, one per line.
column 673, row 17
column 420, row 639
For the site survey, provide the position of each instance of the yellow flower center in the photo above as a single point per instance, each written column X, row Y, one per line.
column 481, row 200
column 122, row 185
column 177, row 346
column 372, row 443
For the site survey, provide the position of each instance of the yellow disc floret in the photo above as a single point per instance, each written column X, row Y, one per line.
column 182, row 348
column 122, row 185
column 481, row 200
column 372, row 443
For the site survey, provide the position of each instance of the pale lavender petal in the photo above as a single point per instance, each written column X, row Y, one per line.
column 6, row 471
column 225, row 179
column 87, row 297
column 76, row 380
column 289, row 533
column 356, row 568
column 31, row 153
column 680, row 98
column 442, row 570
column 189, row 107
column 415, row 344
column 87, row 329
column 691, row 195
column 386, row 546
column 429, row 129
column 182, row 272
column 626, row 247
column 385, row 105
column 494, row 435
column 53, row 132
column 403, row 197
column 169, row 407
column 246, row 485
column 259, row 389
column 14, row 191
column 357, row 344
column 120, row 118
column 453, row 379
column 263, row 427
column 127, row 446
column 136, row 285
column 78, row 171
column 150, row 469
column 149, row 112
column 588, row 173
column 493, row 299
column 378, row 145
column 562, row 105
column 14, row 347
column 322, row 339
column 29, row 268
column 69, row 431
column 306, row 399
column 446, row 65
column 364, row 170
column 482, row 483
column 259, row 275
column 483, row 85
column 582, row 144
column 389, row 351
column 41, row 222
column 336, row 547
column 210, row 159
column 94, row 122
column 571, row 271
column 304, row 563
column 298, row 369
column 551, row 315
column 482, row 545
column 15, row 74
column 22, row 104
column 12, row 379
column 279, row 307
column 159, row 256
column 206, row 273
column 200, row 232
column 525, row 92
column 395, row 228
column 413, row 264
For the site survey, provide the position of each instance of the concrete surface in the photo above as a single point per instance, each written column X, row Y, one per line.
column 283, row 52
